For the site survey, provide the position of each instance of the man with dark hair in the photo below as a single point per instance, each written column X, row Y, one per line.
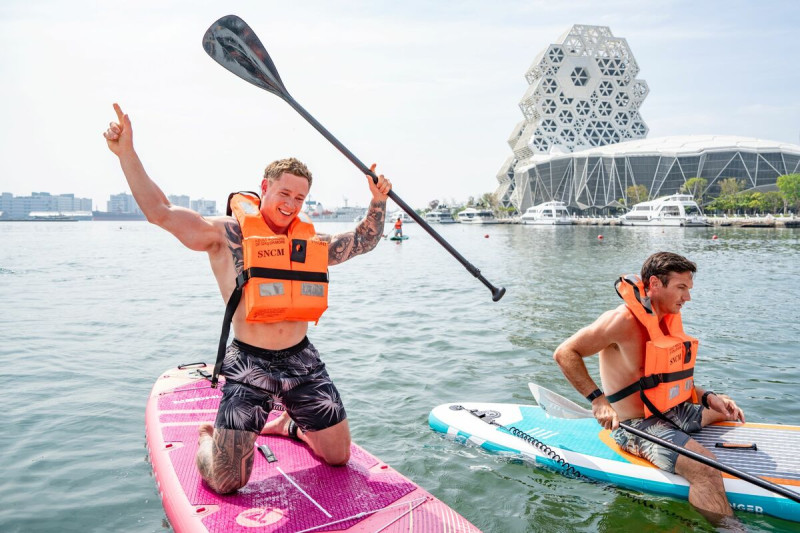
column 277, row 264
column 649, row 387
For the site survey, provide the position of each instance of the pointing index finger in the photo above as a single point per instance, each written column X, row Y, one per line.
column 120, row 114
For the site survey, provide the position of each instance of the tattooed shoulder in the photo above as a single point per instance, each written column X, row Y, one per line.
column 233, row 236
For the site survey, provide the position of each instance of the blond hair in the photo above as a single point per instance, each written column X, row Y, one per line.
column 291, row 165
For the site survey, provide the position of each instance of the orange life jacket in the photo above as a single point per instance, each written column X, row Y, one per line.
column 668, row 360
column 285, row 277
column 398, row 224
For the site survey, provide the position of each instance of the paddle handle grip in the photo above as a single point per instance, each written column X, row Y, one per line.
column 737, row 446
column 497, row 292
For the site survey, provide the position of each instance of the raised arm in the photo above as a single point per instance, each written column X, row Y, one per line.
column 194, row 231
column 368, row 233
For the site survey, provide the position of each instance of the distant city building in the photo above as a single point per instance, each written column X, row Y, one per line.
column 20, row 207
column 123, row 206
column 582, row 138
column 180, row 200
column 205, row 207
column 123, row 203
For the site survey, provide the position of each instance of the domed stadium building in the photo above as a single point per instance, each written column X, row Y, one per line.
column 583, row 141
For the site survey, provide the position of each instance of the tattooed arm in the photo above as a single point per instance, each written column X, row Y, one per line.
column 367, row 234
column 365, row 237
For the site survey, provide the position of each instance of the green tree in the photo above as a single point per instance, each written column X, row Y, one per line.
column 730, row 186
column 696, row 187
column 489, row 201
column 773, row 201
column 636, row 194
column 433, row 204
column 789, row 186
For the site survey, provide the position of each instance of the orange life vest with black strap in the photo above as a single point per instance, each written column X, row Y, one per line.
column 669, row 358
column 284, row 277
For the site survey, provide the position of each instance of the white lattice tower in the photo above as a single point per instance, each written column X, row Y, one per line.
column 582, row 92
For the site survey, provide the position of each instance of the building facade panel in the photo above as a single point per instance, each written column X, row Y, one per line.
column 600, row 181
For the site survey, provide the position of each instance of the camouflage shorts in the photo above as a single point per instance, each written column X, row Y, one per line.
column 687, row 416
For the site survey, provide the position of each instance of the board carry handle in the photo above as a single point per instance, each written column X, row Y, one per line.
column 199, row 364
column 736, row 446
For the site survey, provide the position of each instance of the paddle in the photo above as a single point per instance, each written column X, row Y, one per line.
column 231, row 43
column 560, row 407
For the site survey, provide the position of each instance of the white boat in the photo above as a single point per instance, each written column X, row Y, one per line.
column 673, row 210
column 402, row 215
column 440, row 215
column 548, row 214
column 471, row 215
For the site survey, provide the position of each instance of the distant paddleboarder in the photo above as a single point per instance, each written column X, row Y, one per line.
column 647, row 367
column 398, row 227
column 271, row 268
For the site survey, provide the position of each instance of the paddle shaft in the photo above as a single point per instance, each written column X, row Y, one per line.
column 766, row 485
column 497, row 293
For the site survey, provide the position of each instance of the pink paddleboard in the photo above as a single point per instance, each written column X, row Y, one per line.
column 294, row 493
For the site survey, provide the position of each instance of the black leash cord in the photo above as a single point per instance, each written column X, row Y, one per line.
column 568, row 469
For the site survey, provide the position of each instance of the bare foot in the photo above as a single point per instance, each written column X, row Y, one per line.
column 279, row 426
column 205, row 431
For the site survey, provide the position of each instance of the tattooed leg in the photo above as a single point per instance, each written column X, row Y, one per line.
column 225, row 457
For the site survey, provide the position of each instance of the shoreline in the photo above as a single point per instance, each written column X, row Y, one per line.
column 767, row 221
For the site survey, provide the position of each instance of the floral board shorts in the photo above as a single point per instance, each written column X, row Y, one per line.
column 256, row 379
column 687, row 416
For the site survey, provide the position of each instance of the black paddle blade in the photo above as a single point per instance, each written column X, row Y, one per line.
column 231, row 43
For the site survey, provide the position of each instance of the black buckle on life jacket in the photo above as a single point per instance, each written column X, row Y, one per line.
column 652, row 381
column 688, row 357
column 298, row 254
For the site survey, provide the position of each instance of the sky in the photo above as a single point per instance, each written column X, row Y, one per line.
column 427, row 90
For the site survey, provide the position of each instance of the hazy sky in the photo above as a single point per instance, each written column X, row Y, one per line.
column 428, row 90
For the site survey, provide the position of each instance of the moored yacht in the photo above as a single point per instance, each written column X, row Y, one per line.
column 547, row 214
column 440, row 215
column 471, row 215
column 404, row 217
column 673, row 210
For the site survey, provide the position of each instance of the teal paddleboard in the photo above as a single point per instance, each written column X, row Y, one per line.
column 585, row 446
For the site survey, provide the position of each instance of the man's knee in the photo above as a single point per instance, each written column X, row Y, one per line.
column 696, row 472
column 227, row 486
column 332, row 445
column 337, row 457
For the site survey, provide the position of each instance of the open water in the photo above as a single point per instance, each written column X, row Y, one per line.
column 92, row 312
